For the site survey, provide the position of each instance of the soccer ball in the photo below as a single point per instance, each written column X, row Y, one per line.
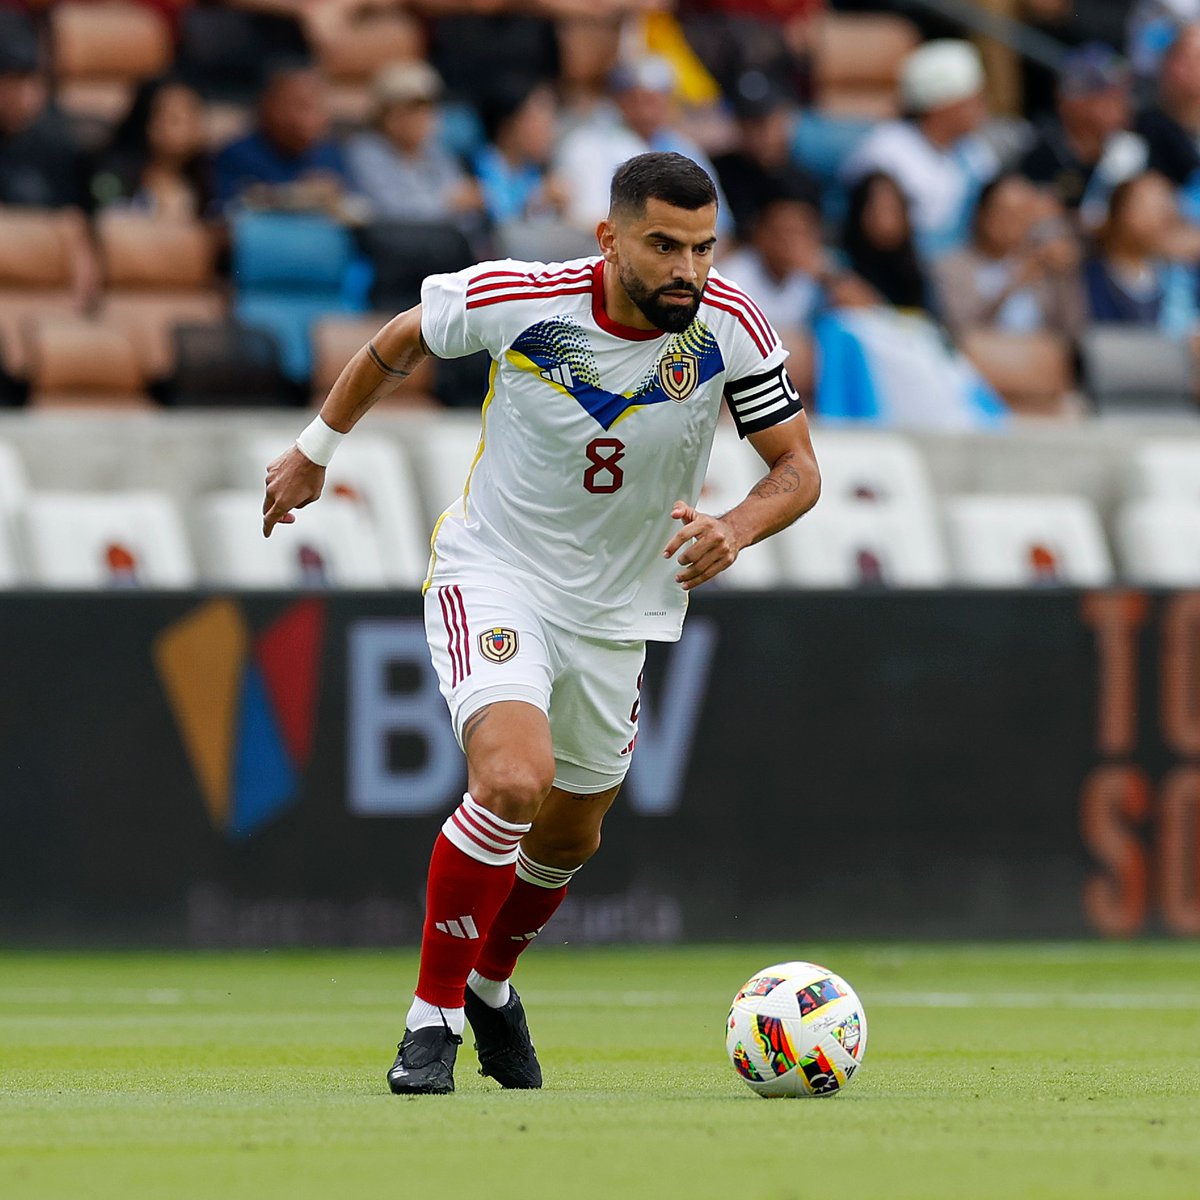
column 796, row 1029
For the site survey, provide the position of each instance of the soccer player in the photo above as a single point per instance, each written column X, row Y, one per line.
column 575, row 540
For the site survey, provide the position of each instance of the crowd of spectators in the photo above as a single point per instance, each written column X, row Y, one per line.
column 505, row 121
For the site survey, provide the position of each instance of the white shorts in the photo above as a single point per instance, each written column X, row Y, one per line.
column 489, row 645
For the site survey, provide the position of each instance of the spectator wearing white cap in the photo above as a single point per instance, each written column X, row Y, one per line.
column 645, row 118
column 933, row 153
column 398, row 166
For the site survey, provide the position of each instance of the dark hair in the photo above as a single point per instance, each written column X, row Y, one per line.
column 503, row 99
column 988, row 191
column 895, row 273
column 119, row 170
column 669, row 177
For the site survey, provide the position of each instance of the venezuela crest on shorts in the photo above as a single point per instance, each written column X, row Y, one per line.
column 498, row 645
column 678, row 374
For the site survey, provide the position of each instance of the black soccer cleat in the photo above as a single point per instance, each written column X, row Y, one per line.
column 424, row 1065
column 502, row 1042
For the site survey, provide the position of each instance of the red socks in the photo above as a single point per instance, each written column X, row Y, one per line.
column 470, row 876
column 536, row 894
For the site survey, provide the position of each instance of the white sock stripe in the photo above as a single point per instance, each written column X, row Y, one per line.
column 462, row 839
column 540, row 876
column 468, row 822
column 487, row 817
column 508, row 851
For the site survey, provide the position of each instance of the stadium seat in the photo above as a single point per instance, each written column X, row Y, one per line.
column 372, row 475
column 224, row 52
column 226, row 365
column 1023, row 541
column 102, row 50
column 14, row 489
column 877, row 521
column 443, row 451
column 355, row 50
column 11, row 572
column 858, row 57
column 879, row 468
column 1158, row 541
column 404, row 252
column 330, row 545
column 336, row 340
column 106, row 540
column 35, row 276
column 1031, row 371
column 845, row 544
column 159, row 274
column 76, row 361
column 1167, row 468
column 289, row 271
column 733, row 470
column 544, row 241
column 140, row 251
column 1129, row 370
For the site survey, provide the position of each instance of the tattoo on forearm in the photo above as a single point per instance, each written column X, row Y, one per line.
column 392, row 372
column 473, row 722
column 784, row 478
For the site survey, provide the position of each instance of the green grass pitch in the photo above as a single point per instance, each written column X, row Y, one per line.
column 1014, row 1071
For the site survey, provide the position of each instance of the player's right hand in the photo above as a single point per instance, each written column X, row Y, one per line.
column 293, row 480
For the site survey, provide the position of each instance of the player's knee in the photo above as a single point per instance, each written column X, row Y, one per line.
column 514, row 791
column 569, row 847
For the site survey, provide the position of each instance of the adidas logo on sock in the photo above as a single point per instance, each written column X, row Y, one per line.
column 526, row 937
column 464, row 927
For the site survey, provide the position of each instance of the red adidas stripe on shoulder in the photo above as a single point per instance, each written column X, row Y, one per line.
column 532, row 278
column 521, row 283
column 483, row 301
column 742, row 317
column 733, row 293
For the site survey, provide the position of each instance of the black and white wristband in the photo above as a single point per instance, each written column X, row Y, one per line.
column 318, row 442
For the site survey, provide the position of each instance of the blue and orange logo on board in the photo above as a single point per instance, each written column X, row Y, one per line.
column 245, row 707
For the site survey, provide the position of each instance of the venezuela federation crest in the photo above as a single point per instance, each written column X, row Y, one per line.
column 498, row 645
column 678, row 374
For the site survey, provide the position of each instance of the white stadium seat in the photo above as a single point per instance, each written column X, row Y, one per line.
column 14, row 483
column 876, row 522
column 11, row 574
column 1023, row 541
column 444, row 451
column 1167, row 468
column 882, row 468
column 106, row 540
column 733, row 470
column 1158, row 541
column 14, row 487
column 330, row 545
column 842, row 544
column 372, row 475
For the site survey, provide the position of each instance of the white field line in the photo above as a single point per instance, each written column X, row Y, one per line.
column 43, row 997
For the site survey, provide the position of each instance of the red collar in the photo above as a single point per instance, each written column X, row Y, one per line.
column 601, row 317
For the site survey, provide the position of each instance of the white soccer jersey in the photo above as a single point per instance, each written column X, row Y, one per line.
column 591, row 431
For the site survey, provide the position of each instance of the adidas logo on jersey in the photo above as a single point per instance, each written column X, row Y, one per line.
column 560, row 374
column 464, row 927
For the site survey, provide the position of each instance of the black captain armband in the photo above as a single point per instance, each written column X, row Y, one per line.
column 759, row 401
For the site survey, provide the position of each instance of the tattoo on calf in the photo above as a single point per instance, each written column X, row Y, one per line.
column 393, row 372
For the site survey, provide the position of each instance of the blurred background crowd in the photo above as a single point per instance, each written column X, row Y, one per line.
column 952, row 213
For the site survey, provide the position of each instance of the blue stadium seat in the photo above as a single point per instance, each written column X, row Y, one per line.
column 821, row 144
column 291, row 269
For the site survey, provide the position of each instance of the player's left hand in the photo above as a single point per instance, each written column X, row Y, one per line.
column 714, row 546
